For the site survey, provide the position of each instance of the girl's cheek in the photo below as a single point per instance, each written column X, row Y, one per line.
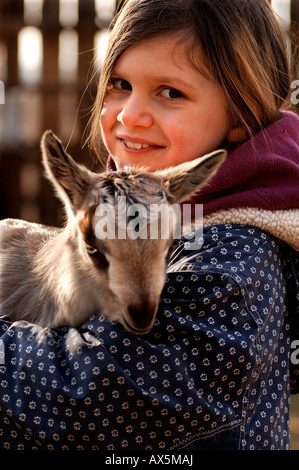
column 109, row 114
column 106, row 128
column 104, row 113
column 106, row 119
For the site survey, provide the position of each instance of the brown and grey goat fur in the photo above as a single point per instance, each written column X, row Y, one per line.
column 60, row 276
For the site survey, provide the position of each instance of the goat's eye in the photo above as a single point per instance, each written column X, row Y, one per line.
column 161, row 194
column 91, row 250
column 98, row 258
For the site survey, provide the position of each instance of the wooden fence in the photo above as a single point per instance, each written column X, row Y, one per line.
column 46, row 56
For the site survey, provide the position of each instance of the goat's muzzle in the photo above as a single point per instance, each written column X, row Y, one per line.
column 140, row 317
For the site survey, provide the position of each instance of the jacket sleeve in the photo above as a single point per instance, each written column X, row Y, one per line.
column 199, row 375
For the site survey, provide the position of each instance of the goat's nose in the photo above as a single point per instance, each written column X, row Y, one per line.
column 142, row 314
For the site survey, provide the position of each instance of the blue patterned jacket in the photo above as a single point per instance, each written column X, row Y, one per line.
column 213, row 373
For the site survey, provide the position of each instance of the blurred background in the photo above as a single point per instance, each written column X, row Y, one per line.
column 50, row 55
column 50, row 52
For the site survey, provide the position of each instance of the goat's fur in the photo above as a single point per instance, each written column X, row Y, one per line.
column 54, row 277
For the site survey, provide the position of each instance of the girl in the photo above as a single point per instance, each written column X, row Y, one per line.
column 183, row 78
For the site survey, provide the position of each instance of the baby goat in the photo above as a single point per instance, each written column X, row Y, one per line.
column 54, row 277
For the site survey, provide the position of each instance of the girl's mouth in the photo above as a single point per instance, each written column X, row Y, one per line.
column 135, row 145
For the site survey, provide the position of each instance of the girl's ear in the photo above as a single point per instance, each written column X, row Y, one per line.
column 237, row 134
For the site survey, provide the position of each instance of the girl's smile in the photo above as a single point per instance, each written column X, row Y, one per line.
column 159, row 110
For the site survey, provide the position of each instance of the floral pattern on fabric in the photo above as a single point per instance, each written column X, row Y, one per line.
column 215, row 362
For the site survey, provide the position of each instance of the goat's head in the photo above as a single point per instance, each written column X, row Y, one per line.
column 127, row 254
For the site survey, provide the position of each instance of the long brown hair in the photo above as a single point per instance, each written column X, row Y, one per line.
column 241, row 41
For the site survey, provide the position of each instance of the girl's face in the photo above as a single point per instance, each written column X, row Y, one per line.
column 160, row 111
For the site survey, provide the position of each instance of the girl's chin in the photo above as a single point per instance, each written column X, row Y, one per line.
column 139, row 160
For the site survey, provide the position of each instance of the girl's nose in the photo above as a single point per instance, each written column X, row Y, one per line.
column 135, row 113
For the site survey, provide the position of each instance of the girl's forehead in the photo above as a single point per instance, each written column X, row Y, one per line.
column 160, row 45
column 163, row 51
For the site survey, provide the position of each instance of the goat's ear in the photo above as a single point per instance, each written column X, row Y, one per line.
column 69, row 178
column 187, row 178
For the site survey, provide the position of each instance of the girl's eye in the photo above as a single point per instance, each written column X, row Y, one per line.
column 171, row 93
column 120, row 84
